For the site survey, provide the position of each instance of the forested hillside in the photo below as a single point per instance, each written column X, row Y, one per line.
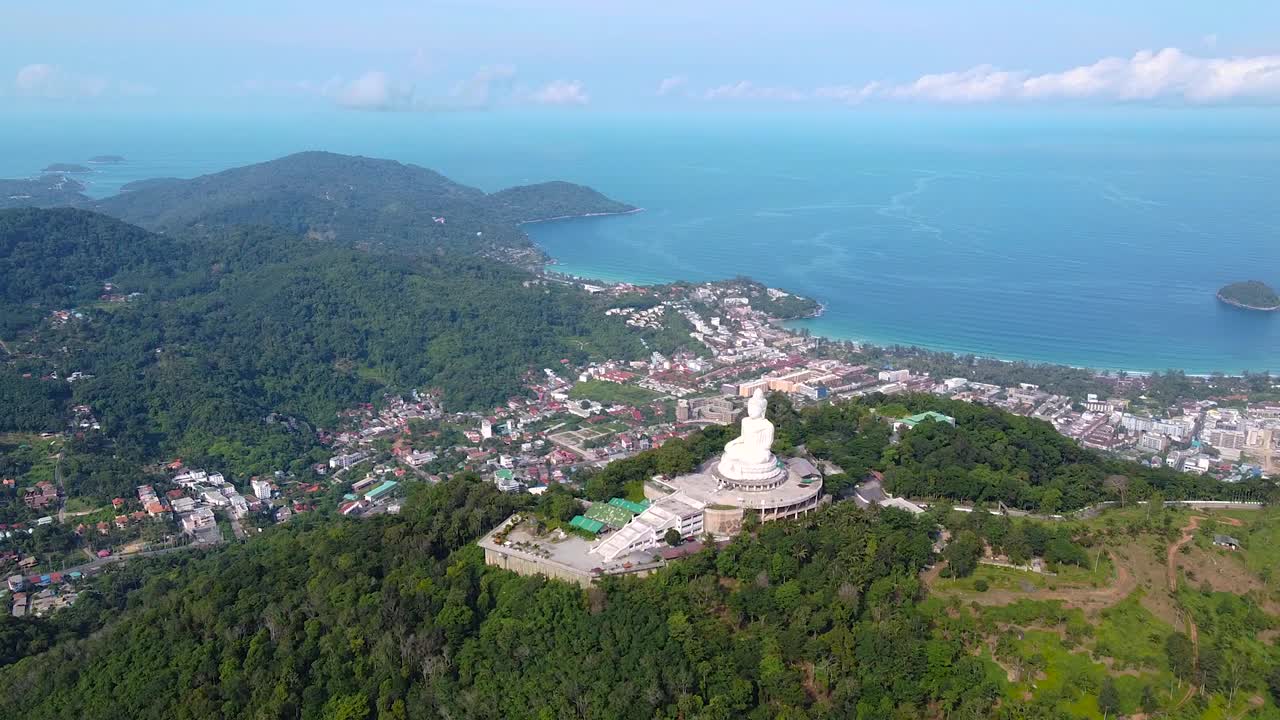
column 355, row 200
column 988, row 456
column 57, row 259
column 43, row 191
column 233, row 327
column 399, row 618
column 548, row 200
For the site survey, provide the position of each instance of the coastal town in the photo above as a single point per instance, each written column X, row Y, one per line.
column 575, row 418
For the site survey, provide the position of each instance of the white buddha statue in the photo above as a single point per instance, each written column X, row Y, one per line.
column 750, row 457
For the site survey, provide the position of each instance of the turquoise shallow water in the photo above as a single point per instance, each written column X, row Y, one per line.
column 1091, row 239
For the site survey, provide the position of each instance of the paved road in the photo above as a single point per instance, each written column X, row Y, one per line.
column 98, row 563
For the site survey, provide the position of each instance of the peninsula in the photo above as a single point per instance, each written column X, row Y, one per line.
column 107, row 159
column 67, row 168
column 1250, row 295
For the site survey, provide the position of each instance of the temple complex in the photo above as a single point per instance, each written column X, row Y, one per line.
column 746, row 478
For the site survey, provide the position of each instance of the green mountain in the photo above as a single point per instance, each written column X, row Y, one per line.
column 231, row 327
column 44, row 191
column 398, row 617
column 57, row 259
column 354, row 200
column 1250, row 294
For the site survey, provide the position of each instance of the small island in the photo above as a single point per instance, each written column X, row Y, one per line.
column 67, row 168
column 1250, row 295
column 107, row 159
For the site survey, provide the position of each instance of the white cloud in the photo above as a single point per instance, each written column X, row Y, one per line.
column 43, row 80
column 746, row 90
column 671, row 85
column 850, row 94
column 561, row 92
column 484, row 86
column 974, row 85
column 1169, row 75
column 374, row 90
column 491, row 86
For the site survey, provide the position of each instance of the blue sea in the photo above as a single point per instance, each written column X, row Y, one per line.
column 1093, row 238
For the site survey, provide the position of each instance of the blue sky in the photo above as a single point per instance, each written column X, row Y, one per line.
column 380, row 55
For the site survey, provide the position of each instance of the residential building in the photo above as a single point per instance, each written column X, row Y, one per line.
column 261, row 489
column 198, row 519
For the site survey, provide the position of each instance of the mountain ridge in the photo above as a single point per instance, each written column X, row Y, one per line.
column 356, row 200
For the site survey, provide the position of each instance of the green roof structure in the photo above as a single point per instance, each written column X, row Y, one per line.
column 381, row 490
column 609, row 514
column 635, row 508
column 918, row 418
column 592, row 526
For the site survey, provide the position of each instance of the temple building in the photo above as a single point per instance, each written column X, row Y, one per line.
column 746, row 478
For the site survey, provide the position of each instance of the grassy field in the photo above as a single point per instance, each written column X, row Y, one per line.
column 1261, row 546
column 1014, row 580
column 611, row 393
column 1132, row 636
column 79, row 504
column 1055, row 655
column 29, row 458
column 1055, row 639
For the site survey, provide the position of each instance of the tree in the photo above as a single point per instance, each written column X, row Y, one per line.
column 1155, row 505
column 1051, row 501
column 1108, row 697
column 1118, row 485
column 962, row 554
column 1273, row 683
column 1148, row 702
column 672, row 537
column 1181, row 654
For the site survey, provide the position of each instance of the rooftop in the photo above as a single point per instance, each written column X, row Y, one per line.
column 610, row 514
column 918, row 418
column 591, row 525
column 570, row 552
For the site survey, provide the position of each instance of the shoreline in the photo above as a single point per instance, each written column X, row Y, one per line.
column 907, row 347
column 632, row 211
column 1097, row 370
column 1245, row 306
column 551, row 261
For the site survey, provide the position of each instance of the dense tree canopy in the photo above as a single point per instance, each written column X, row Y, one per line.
column 355, row 201
column 989, row 456
column 398, row 617
column 1250, row 293
column 244, row 341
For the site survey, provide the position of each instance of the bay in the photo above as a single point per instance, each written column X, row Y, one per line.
column 1085, row 237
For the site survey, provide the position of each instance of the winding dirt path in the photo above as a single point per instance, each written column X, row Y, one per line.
column 1171, row 568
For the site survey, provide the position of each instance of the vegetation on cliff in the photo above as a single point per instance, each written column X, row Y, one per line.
column 1250, row 294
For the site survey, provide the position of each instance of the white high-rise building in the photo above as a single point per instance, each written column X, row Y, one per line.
column 261, row 489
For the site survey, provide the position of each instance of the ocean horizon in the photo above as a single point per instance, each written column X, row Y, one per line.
column 1094, row 239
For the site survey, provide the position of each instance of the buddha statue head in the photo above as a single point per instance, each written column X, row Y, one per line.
column 757, row 404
